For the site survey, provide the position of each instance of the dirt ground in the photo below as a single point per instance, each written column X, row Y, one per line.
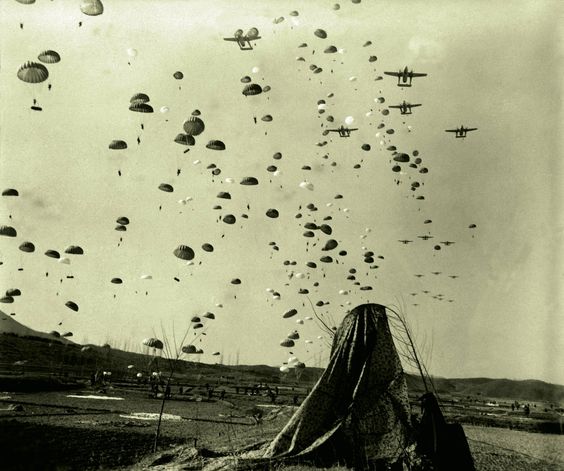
column 55, row 431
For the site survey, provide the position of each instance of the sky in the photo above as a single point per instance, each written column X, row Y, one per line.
column 490, row 65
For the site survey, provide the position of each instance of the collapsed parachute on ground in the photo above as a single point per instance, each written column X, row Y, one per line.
column 365, row 379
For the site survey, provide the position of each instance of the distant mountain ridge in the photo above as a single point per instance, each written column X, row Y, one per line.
column 8, row 325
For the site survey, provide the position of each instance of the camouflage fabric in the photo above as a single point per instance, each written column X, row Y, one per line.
column 358, row 412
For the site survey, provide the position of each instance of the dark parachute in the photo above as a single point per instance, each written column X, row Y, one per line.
column 166, row 187
column 117, row 281
column 49, row 57
column 252, row 89
column 72, row 305
column 53, row 254
column 320, row 33
column 10, row 192
column 28, row 247
column 207, row 247
column 194, row 126
column 139, row 98
column 118, row 145
column 178, row 75
column 249, row 181
column 141, row 107
column 272, row 213
column 74, row 250
column 124, row 221
column 33, row 72
column 215, row 145
column 185, row 139
column 184, row 252
column 8, row 231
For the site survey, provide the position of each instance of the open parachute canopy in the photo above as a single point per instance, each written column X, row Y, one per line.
column 92, row 7
column 139, row 98
column 10, row 192
column 152, row 342
column 189, row 349
column 33, row 72
column 141, row 107
column 193, row 126
column 117, row 145
column 74, row 250
column 184, row 252
column 49, row 57
column 27, row 246
column 252, row 89
column 8, row 231
column 52, row 254
column 72, row 305
column 185, row 139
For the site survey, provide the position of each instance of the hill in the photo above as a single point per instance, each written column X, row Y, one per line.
column 42, row 353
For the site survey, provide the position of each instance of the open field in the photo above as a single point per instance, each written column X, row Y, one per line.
column 85, row 429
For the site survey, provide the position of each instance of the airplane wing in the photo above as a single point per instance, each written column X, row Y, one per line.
column 353, row 129
column 414, row 74
column 395, row 106
column 332, row 130
column 451, row 130
column 471, row 129
column 417, row 104
column 231, row 39
column 394, row 74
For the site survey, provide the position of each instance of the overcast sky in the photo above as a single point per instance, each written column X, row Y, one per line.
column 491, row 65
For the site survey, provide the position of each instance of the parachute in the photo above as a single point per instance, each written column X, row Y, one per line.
column 224, row 195
column 166, row 187
column 7, row 299
column 320, row 33
column 215, row 145
column 272, row 213
column 33, row 72
column 8, row 231
column 290, row 313
column 193, row 126
column 118, row 145
column 49, row 57
column 153, row 343
column 209, row 315
column 249, row 181
column 252, row 89
column 74, row 250
column 117, row 281
column 139, row 98
column 72, row 305
column 229, row 219
column 52, row 254
column 120, row 228
column 178, row 75
column 10, row 192
column 189, row 349
column 184, row 252
column 235, row 281
column 140, row 107
column 207, row 247
column 267, row 118
column 92, row 7
column 330, row 245
column 124, row 221
column 330, row 50
column 287, row 343
column 28, row 247
column 185, row 139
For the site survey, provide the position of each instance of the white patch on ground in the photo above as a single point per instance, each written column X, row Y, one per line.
column 150, row 416
column 3, row 398
column 110, row 398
